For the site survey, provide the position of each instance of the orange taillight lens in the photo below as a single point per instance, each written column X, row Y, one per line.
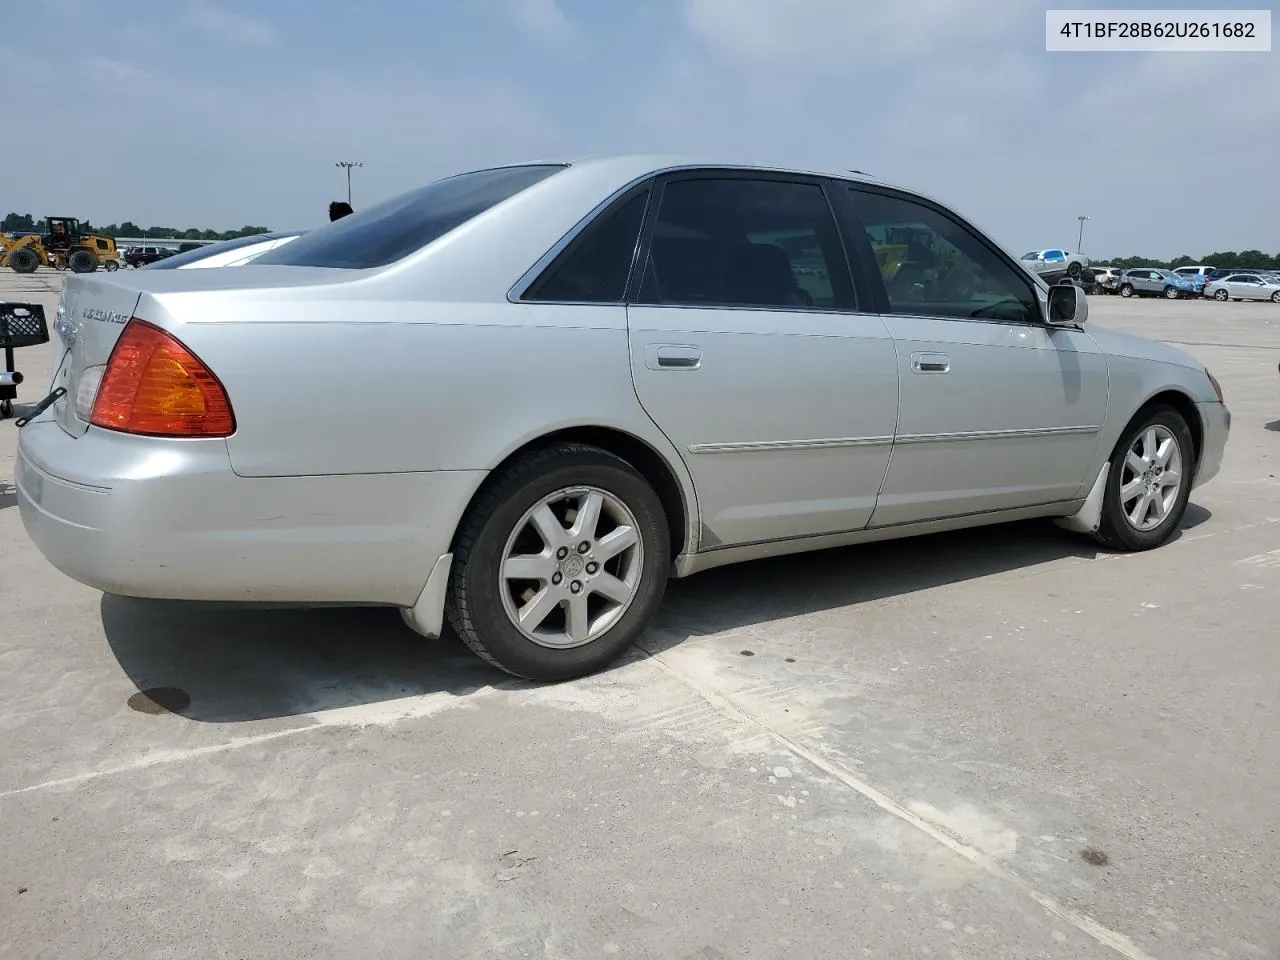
column 156, row 386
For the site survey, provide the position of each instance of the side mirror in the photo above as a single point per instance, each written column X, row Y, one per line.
column 1068, row 306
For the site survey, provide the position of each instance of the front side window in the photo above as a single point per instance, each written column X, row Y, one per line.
column 933, row 266
column 738, row 242
column 396, row 228
column 595, row 266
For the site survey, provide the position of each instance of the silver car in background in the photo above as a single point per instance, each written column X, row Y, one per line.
column 1245, row 285
column 1055, row 262
column 566, row 382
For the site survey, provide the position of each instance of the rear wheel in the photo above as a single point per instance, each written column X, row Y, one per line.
column 1126, row 290
column 1220, row 295
column 1171, row 293
column 111, row 266
column 23, row 260
column 560, row 565
column 82, row 261
column 1149, row 482
column 1073, row 270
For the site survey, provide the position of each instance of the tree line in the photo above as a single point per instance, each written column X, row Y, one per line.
column 1245, row 259
column 25, row 223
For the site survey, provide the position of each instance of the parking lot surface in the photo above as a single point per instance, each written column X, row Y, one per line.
column 997, row 744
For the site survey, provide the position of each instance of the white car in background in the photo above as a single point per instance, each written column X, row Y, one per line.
column 1055, row 261
column 228, row 253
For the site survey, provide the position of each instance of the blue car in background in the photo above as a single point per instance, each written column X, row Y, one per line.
column 1157, row 282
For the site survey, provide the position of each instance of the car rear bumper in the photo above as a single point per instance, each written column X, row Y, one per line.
column 169, row 519
column 1216, row 421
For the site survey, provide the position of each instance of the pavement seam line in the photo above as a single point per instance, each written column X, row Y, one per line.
column 156, row 759
column 1087, row 925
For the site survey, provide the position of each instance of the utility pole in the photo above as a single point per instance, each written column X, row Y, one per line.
column 348, row 164
column 1080, row 237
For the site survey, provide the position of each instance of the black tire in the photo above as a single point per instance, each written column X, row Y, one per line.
column 6, row 409
column 1115, row 531
column 1074, row 270
column 23, row 260
column 1171, row 293
column 82, row 261
column 474, row 603
column 1221, row 296
column 1126, row 290
column 111, row 266
column 1275, row 297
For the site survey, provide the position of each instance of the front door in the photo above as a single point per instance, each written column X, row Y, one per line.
column 997, row 410
column 749, row 351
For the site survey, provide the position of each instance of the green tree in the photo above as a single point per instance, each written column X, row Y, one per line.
column 18, row 223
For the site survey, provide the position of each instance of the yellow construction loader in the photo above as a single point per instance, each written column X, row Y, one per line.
column 64, row 247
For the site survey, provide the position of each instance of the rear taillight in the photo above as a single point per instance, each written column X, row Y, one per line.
column 154, row 385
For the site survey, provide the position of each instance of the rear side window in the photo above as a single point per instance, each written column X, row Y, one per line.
column 396, row 228
column 594, row 268
column 746, row 243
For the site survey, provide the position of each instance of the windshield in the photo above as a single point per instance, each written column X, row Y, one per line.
column 396, row 228
column 208, row 250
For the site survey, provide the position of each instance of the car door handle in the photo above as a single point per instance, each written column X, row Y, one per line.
column 930, row 363
column 673, row 356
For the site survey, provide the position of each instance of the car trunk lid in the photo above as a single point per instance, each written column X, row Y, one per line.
column 90, row 319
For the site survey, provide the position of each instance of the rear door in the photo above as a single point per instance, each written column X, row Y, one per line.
column 754, row 353
column 997, row 410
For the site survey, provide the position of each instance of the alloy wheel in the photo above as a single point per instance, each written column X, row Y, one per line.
column 571, row 567
column 1151, row 478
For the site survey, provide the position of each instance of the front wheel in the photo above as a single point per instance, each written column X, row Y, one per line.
column 560, row 565
column 111, row 266
column 1126, row 290
column 1275, row 297
column 1149, row 482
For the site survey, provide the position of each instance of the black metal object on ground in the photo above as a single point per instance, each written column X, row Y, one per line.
column 21, row 325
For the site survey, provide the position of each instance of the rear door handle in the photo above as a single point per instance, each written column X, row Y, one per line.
column 930, row 363
column 672, row 356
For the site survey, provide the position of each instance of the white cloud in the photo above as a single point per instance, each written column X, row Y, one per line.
column 545, row 20
column 218, row 22
column 843, row 36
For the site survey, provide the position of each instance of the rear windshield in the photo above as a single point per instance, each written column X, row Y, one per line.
column 396, row 228
column 209, row 250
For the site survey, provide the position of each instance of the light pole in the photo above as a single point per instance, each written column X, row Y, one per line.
column 348, row 164
column 1080, row 237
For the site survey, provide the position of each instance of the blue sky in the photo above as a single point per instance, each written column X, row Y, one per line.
column 217, row 113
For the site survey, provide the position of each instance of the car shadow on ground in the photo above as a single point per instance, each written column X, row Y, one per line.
column 238, row 662
column 8, row 495
column 1273, row 426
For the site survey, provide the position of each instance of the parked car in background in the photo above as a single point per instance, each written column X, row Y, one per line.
column 1197, row 275
column 722, row 405
column 1155, row 282
column 228, row 253
column 141, row 256
column 1107, row 279
column 1244, row 286
column 1053, row 261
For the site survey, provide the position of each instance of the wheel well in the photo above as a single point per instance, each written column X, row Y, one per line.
column 1185, row 406
column 636, row 452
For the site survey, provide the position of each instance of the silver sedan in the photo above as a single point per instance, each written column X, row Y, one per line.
column 1244, row 286
column 522, row 398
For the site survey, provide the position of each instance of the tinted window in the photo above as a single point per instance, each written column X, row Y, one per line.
column 595, row 266
column 747, row 243
column 396, row 228
column 1054, row 255
column 209, row 250
column 933, row 266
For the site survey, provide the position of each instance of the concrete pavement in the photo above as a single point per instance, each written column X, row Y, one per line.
column 996, row 744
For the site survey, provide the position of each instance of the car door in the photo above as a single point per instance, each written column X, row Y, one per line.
column 751, row 350
column 997, row 411
column 1246, row 286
